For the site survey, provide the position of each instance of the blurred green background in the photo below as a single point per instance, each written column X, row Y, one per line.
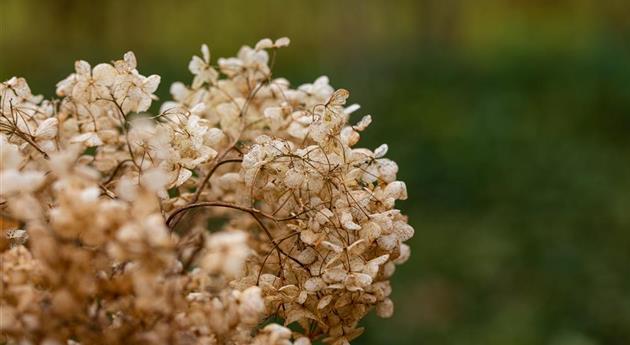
column 510, row 121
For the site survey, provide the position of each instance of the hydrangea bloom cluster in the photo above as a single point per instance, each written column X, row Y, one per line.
column 242, row 208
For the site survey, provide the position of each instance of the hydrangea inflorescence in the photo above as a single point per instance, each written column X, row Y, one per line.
column 241, row 208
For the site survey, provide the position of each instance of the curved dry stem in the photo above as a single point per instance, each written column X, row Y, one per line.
column 255, row 213
column 214, row 167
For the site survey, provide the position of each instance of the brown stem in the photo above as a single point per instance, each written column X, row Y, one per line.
column 123, row 123
column 118, row 167
column 275, row 244
column 214, row 167
column 252, row 211
column 271, row 251
column 171, row 218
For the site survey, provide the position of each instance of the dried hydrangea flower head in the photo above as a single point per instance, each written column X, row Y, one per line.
column 242, row 201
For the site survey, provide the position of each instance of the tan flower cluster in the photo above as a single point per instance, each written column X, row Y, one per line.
column 238, row 210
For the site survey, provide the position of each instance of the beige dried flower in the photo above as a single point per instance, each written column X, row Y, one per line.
column 242, row 201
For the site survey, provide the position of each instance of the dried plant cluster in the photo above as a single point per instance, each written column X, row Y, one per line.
column 240, row 209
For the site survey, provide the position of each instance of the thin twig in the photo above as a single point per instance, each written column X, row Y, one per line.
column 171, row 217
column 214, row 167
column 255, row 213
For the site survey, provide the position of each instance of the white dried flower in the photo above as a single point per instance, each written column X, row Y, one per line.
column 226, row 253
column 14, row 181
column 243, row 199
column 201, row 68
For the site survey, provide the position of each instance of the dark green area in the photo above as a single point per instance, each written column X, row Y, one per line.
column 510, row 121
